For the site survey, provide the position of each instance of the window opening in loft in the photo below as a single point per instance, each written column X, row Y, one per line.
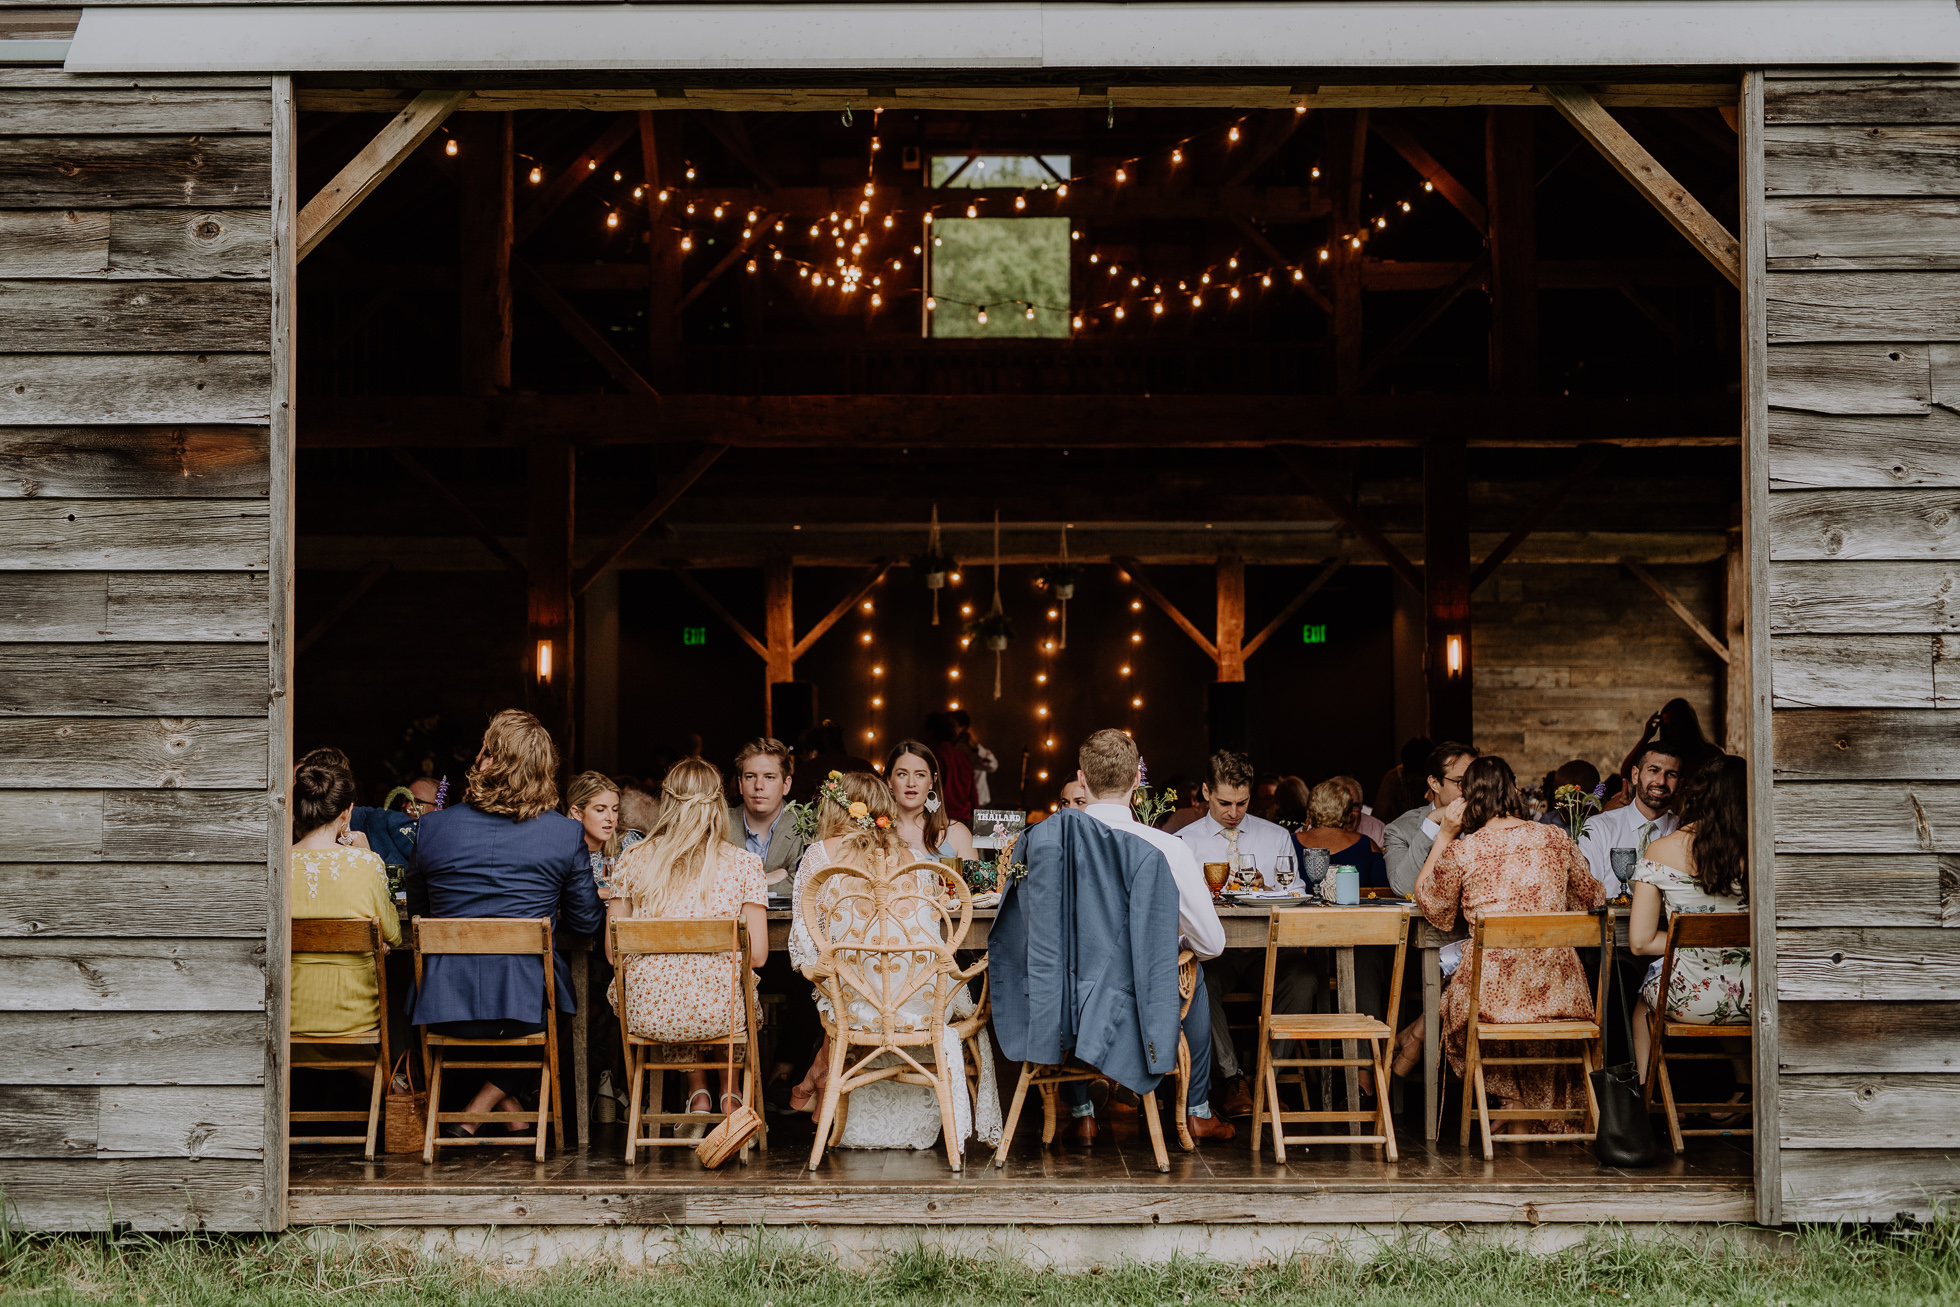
column 999, row 278
column 1014, row 172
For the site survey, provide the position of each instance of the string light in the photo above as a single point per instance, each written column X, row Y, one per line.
column 1233, row 135
column 537, row 176
column 619, row 176
column 612, row 220
column 687, row 243
column 449, row 147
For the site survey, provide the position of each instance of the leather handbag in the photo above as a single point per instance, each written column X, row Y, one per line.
column 734, row 1131
column 1626, row 1132
column 404, row 1111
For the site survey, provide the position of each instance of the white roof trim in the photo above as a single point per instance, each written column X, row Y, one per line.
column 300, row 38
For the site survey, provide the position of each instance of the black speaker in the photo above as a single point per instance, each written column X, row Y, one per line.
column 792, row 709
column 1225, row 715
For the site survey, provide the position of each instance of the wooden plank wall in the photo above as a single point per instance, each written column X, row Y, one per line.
column 1862, row 246
column 139, row 740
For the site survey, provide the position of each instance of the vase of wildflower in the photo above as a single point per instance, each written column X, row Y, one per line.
column 1576, row 807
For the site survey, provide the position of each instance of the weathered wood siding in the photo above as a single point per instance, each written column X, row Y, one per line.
column 142, row 748
column 1861, row 217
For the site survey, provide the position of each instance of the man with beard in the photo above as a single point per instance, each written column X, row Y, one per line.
column 1648, row 816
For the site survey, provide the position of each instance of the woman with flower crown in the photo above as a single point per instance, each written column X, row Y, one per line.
column 685, row 868
column 857, row 825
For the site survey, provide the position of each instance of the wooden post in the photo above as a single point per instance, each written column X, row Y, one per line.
column 488, row 222
column 1735, row 631
column 1347, row 146
column 1512, row 184
column 1231, row 618
column 660, row 143
column 599, row 678
column 778, row 629
column 551, row 469
column 1446, row 577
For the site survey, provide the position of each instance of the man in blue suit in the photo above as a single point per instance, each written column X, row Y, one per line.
column 502, row 852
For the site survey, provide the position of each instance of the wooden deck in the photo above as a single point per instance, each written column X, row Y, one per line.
column 1113, row 1183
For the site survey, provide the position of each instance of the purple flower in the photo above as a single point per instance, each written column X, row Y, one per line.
column 1143, row 772
column 1599, row 790
column 442, row 792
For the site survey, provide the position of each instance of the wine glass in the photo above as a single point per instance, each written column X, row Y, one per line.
column 1216, row 874
column 1283, row 872
column 1249, row 872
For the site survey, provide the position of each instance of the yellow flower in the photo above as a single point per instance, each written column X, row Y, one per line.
column 858, row 810
column 837, row 776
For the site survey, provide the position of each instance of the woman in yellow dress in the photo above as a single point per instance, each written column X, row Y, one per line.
column 334, row 993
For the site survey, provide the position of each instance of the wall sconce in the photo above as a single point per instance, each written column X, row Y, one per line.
column 544, row 662
column 1453, row 655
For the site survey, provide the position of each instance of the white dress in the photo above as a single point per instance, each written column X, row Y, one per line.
column 888, row 1114
column 1710, row 986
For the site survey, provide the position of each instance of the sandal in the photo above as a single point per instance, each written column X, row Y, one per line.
column 692, row 1130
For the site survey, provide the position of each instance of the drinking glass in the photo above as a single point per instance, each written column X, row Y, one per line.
column 1249, row 872
column 1216, row 874
column 1283, row 871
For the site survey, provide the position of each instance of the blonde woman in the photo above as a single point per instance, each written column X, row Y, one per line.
column 592, row 800
column 858, row 826
column 686, row 869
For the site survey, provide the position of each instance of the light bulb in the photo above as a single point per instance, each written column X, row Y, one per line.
column 1048, row 743
column 1126, row 669
column 1113, row 270
column 954, row 706
column 928, row 218
column 687, row 243
column 972, row 210
column 1429, row 186
column 954, row 673
column 751, row 217
column 747, row 232
column 1039, row 776
column 1136, row 703
column 1020, row 202
column 877, row 702
column 931, row 303
column 966, row 610
column 592, row 165
column 1136, row 637
column 1235, row 292
column 1381, row 223
column 619, row 176
column 1076, row 322
column 1157, row 309
column 449, row 147
column 1205, row 280
column 888, row 222
column 751, row 265
column 1053, row 613
column 1095, row 258
column 718, row 212
column 802, row 272
column 690, row 172
column 537, row 176
column 1041, row 678
column 813, row 231
column 864, row 206
column 1122, row 176
column 1119, row 313
column 612, row 220
column 1062, row 190
column 1041, row 712
column 866, row 637
column 1197, row 301
column 1177, row 156
column 1323, row 259
column 1030, row 314
column 877, row 671
column 777, row 256
column 983, row 317
column 1405, row 206
column 1299, row 108
column 779, row 224
column 877, row 301
column 662, row 197
column 1232, row 135
column 1265, row 279
column 639, row 192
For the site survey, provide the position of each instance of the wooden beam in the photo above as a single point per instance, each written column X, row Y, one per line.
column 1321, row 487
column 714, row 606
column 727, row 261
column 1156, row 596
column 1231, row 618
column 485, row 230
column 1476, row 274
column 728, row 128
column 1445, row 182
column 368, row 169
column 1295, row 604
column 1281, row 263
column 367, row 580
column 436, row 486
column 778, row 620
column 1673, row 601
column 1446, row 587
column 844, row 605
column 659, row 145
column 1716, row 243
column 1735, row 627
column 655, row 509
column 1541, row 510
column 1511, row 183
column 582, row 331
column 1275, row 131
column 1086, row 201
column 586, row 166
column 1347, row 145
column 551, row 474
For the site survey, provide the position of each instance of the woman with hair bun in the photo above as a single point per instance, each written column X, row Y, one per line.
column 1503, row 862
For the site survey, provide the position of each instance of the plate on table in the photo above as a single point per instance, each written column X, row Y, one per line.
column 1268, row 898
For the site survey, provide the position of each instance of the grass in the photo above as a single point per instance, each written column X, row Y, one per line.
column 1917, row 1265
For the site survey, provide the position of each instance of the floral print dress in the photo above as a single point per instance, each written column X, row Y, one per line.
column 1525, row 868
column 688, row 998
column 1710, row 986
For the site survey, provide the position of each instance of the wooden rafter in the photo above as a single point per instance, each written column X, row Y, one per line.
column 436, row 486
column 1445, row 182
column 727, row 261
column 844, row 605
column 713, row 605
column 643, row 520
column 1716, row 243
column 1321, row 487
column 368, row 169
column 1673, row 601
column 1313, row 587
column 369, row 578
column 1156, row 596
column 1281, row 262
column 1541, row 510
column 729, row 130
column 526, row 277
column 1274, row 133
column 559, row 189
column 1475, row 275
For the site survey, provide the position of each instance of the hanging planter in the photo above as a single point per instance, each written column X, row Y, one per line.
column 1058, row 579
column 935, row 563
column 993, row 630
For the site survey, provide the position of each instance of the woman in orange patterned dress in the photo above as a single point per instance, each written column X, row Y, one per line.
column 1502, row 862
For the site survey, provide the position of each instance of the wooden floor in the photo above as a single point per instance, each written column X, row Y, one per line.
column 1114, row 1182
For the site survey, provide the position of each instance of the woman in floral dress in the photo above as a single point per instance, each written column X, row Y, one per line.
column 1702, row 867
column 1503, row 862
column 687, row 869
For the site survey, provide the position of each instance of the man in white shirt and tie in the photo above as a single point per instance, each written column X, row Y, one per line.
column 1227, row 833
column 1656, row 778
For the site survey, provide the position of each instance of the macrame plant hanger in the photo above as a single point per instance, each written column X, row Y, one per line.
column 935, row 581
column 1063, row 592
column 999, row 644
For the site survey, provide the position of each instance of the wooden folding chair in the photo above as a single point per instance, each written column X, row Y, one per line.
column 1327, row 928
column 1710, row 930
column 1545, row 930
column 1048, row 1080
column 344, row 935
column 886, row 941
column 637, row 937
column 497, row 936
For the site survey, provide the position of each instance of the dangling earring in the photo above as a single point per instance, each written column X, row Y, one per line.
column 932, row 801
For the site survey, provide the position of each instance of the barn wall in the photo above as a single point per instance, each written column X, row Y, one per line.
column 139, row 736
column 1861, row 254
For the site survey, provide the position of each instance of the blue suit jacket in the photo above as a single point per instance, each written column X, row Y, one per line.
column 1083, row 953
column 471, row 864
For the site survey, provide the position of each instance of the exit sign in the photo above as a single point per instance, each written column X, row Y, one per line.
column 1314, row 633
column 694, row 635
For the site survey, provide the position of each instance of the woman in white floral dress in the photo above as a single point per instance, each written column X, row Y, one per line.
column 687, row 869
column 1702, row 867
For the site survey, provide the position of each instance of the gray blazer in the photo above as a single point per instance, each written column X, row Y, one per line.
column 785, row 849
column 1406, row 848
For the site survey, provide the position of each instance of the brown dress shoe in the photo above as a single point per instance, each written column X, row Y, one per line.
column 1238, row 1100
column 1210, row 1127
column 1085, row 1130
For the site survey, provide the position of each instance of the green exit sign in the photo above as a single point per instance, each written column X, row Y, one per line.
column 1314, row 633
column 694, row 635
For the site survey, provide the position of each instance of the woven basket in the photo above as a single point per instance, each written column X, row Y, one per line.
column 404, row 1114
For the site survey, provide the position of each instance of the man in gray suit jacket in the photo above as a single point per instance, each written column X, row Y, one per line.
column 1413, row 834
column 762, row 822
